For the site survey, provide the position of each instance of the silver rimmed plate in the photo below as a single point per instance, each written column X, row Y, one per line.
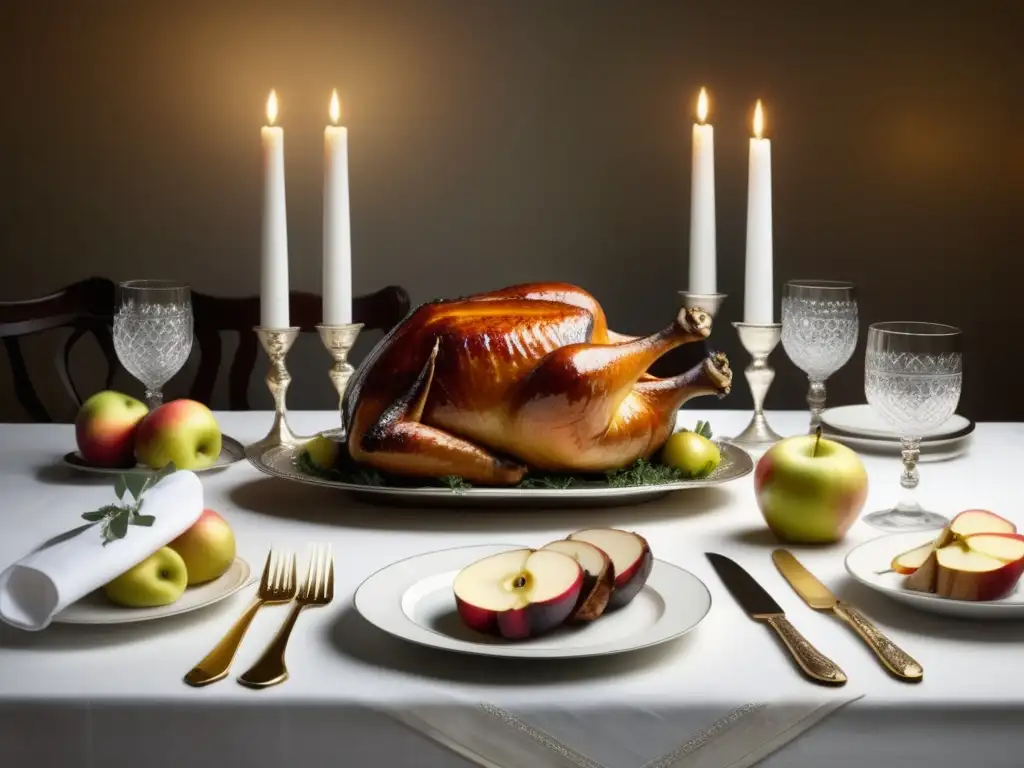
column 231, row 451
column 869, row 564
column 413, row 600
column 282, row 461
column 95, row 608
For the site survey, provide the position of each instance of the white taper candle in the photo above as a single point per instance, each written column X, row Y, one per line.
column 274, row 244
column 758, row 300
column 337, row 257
column 703, row 278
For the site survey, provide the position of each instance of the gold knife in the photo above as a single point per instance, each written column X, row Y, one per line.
column 820, row 597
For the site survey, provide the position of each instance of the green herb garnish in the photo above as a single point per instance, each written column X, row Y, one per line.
column 642, row 472
column 114, row 519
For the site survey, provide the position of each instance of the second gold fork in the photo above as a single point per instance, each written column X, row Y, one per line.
column 318, row 589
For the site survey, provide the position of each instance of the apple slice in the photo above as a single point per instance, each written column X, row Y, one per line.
column 922, row 571
column 598, row 577
column 982, row 566
column 908, row 562
column 631, row 558
column 518, row 594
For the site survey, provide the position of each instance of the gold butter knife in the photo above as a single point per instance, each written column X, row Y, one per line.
column 821, row 598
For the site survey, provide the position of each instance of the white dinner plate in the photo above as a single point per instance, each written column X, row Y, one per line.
column 413, row 600
column 95, row 608
column 868, row 563
column 231, row 451
column 864, row 421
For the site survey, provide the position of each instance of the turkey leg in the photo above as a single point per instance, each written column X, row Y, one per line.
column 710, row 377
column 574, row 393
column 400, row 443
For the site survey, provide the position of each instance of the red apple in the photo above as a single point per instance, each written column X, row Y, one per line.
column 631, row 558
column 598, row 577
column 182, row 431
column 982, row 566
column 208, row 548
column 518, row 594
column 105, row 429
column 919, row 561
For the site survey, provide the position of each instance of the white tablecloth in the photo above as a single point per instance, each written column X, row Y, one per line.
column 725, row 695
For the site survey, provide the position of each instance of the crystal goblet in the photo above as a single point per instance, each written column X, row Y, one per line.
column 819, row 332
column 153, row 332
column 912, row 377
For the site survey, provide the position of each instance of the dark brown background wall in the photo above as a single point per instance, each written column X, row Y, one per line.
column 494, row 142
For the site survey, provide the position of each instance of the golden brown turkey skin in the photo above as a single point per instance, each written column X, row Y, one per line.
column 530, row 376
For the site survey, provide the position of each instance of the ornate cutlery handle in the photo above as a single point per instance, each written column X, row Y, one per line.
column 812, row 662
column 892, row 656
column 270, row 668
column 215, row 666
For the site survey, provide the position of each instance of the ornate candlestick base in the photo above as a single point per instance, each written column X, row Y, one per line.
column 277, row 342
column 339, row 340
column 759, row 340
column 709, row 302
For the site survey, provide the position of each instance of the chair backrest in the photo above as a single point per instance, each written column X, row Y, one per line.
column 216, row 314
column 85, row 307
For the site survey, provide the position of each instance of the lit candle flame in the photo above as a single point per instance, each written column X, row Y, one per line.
column 335, row 109
column 758, row 120
column 272, row 108
column 702, row 105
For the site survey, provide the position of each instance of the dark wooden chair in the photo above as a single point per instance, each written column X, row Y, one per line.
column 85, row 307
column 214, row 315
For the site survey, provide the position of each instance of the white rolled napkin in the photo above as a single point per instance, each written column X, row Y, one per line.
column 40, row 585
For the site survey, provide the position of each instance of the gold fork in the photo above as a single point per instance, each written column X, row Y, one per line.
column 277, row 585
column 318, row 589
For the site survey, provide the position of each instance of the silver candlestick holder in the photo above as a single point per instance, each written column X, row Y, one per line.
column 276, row 342
column 759, row 340
column 709, row 302
column 339, row 340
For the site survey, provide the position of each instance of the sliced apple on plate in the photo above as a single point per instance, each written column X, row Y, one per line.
column 982, row 566
column 598, row 577
column 631, row 558
column 518, row 594
column 964, row 524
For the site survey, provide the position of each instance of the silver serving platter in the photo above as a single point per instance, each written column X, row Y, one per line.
column 281, row 461
column 231, row 451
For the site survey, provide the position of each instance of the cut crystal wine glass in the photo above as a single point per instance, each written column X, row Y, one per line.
column 912, row 377
column 153, row 332
column 819, row 332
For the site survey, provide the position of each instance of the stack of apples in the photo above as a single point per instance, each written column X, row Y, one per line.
column 978, row 556
column 526, row 593
column 201, row 554
column 116, row 431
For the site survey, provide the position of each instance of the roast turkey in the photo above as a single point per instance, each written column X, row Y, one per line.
column 491, row 386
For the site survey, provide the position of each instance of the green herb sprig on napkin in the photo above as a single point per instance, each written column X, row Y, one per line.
column 115, row 518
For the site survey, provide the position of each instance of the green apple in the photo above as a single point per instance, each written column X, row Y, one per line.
column 207, row 548
column 323, row 452
column 809, row 489
column 160, row 579
column 105, row 429
column 691, row 453
column 182, row 431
